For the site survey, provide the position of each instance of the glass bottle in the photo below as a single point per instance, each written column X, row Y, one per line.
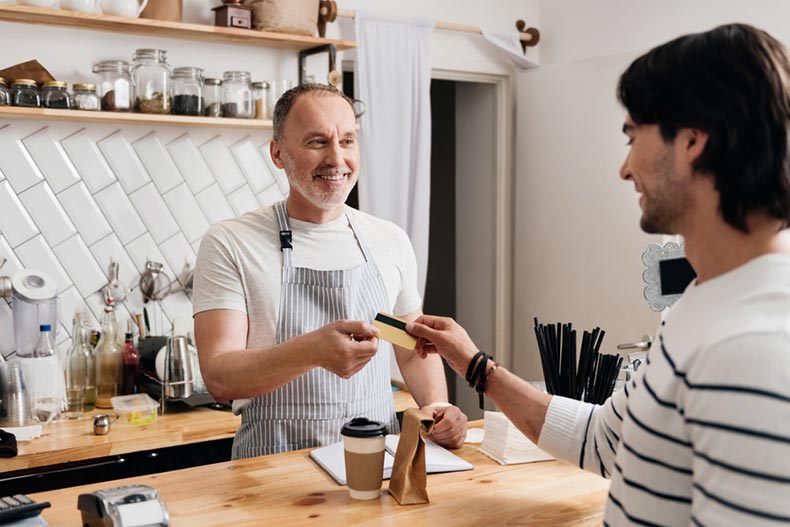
column 80, row 367
column 151, row 81
column 24, row 92
column 237, row 95
column 108, row 361
column 212, row 97
column 187, row 91
column 55, row 94
column 115, row 85
column 259, row 96
column 131, row 366
column 5, row 93
column 86, row 98
column 46, row 399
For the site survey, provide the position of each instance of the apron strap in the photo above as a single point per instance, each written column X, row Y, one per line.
column 360, row 240
column 286, row 245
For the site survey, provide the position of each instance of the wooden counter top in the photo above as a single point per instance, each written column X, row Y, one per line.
column 68, row 441
column 289, row 489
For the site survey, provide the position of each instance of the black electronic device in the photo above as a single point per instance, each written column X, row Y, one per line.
column 676, row 274
column 18, row 507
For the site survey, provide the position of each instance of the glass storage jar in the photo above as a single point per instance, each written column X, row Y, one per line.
column 237, row 95
column 55, row 94
column 187, row 88
column 260, row 94
column 151, row 81
column 114, row 85
column 212, row 97
column 5, row 93
column 86, row 98
column 24, row 92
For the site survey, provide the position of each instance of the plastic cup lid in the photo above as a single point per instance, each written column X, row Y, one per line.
column 363, row 427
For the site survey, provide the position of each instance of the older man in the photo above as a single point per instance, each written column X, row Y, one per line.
column 701, row 435
column 284, row 297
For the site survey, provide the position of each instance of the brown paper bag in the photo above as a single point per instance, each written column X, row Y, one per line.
column 409, row 477
column 299, row 17
column 168, row 10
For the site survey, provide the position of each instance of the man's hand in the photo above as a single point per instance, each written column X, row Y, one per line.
column 449, row 429
column 344, row 347
column 446, row 337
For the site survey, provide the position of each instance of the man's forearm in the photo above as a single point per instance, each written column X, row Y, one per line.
column 425, row 379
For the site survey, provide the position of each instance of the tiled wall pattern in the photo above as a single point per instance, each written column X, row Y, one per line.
column 73, row 198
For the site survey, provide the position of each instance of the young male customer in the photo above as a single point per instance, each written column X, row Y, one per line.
column 701, row 435
column 284, row 297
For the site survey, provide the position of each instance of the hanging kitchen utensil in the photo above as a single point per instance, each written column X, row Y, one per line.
column 154, row 283
column 114, row 288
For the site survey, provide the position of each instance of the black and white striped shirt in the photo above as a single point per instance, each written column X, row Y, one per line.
column 701, row 435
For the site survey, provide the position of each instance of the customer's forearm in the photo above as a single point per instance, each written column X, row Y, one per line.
column 522, row 403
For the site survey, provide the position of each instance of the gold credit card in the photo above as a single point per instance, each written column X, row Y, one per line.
column 393, row 329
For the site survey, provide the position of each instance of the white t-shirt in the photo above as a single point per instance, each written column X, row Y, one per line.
column 701, row 434
column 239, row 264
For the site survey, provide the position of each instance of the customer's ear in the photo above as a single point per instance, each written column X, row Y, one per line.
column 693, row 142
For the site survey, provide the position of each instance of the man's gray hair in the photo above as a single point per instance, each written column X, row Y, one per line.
column 287, row 100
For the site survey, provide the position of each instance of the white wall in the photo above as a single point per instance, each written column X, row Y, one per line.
column 578, row 243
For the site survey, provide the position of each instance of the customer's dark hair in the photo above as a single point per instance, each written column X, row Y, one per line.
column 732, row 83
column 287, row 100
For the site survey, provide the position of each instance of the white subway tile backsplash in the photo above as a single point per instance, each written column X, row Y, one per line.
column 15, row 223
column 6, row 329
column 119, row 211
column 123, row 161
column 178, row 253
column 12, row 264
column 51, row 159
column 270, row 195
column 15, row 161
column 187, row 212
column 144, row 249
column 108, row 250
column 214, row 204
column 152, row 208
column 69, row 300
column 190, row 163
column 87, row 159
column 47, row 212
column 278, row 173
column 80, row 265
column 243, row 200
column 96, row 304
column 36, row 254
column 177, row 305
column 222, row 165
column 252, row 165
column 158, row 163
column 85, row 213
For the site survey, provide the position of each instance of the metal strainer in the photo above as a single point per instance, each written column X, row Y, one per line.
column 154, row 283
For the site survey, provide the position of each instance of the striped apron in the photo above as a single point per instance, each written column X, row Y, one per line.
column 310, row 410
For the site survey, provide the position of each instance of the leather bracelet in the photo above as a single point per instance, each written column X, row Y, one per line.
column 471, row 368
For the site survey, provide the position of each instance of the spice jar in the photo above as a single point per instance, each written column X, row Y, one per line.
column 115, row 85
column 86, row 98
column 212, row 97
column 5, row 93
column 187, row 88
column 260, row 93
column 24, row 92
column 151, row 81
column 237, row 95
column 55, row 94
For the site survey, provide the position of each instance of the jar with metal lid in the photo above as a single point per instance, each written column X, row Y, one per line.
column 55, row 94
column 212, row 97
column 260, row 94
column 114, row 85
column 86, row 98
column 237, row 95
column 187, row 86
column 151, row 81
column 24, row 92
column 5, row 93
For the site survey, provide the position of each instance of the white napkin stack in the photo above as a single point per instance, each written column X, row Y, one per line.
column 505, row 444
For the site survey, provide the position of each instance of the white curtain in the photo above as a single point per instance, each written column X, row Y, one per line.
column 393, row 78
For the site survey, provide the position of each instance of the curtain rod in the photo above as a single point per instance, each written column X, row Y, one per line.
column 529, row 36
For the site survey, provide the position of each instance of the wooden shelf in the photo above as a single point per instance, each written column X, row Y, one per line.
column 15, row 112
column 160, row 28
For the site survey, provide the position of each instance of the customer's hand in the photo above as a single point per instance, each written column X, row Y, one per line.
column 443, row 336
column 344, row 347
column 449, row 429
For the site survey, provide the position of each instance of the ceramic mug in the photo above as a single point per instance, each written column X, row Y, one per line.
column 84, row 6
column 52, row 4
column 127, row 8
